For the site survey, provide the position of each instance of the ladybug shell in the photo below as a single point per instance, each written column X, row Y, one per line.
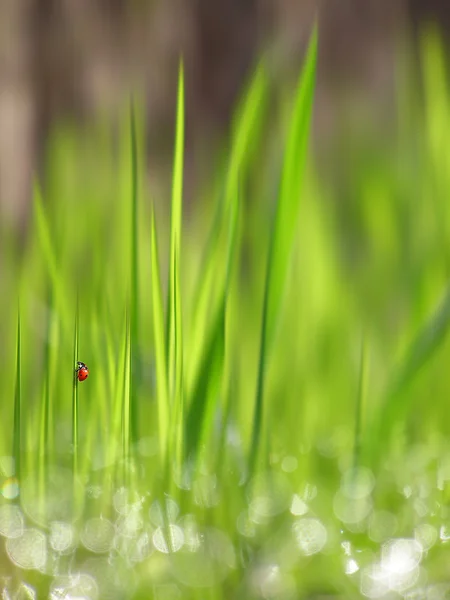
column 83, row 373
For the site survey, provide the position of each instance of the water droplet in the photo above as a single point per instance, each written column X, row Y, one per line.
column 310, row 535
column 74, row 587
column 10, row 488
column 29, row 550
column 11, row 521
column 289, row 464
column 357, row 483
column 298, row 507
column 62, row 536
column 170, row 543
column 97, row 535
column 156, row 514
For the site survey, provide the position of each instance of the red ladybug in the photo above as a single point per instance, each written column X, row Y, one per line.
column 82, row 371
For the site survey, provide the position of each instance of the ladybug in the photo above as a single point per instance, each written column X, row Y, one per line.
column 82, row 372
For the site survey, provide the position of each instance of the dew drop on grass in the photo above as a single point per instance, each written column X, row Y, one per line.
column 309, row 492
column 357, row 483
column 245, row 525
column 55, row 500
column 125, row 501
column 310, row 535
column 192, row 537
column 80, row 587
column 372, row 583
column 298, row 506
column 168, row 543
column 114, row 579
column 97, row 535
column 426, row 535
column 351, row 511
column 397, row 571
column 134, row 549
column 62, row 536
column 444, row 532
column 11, row 521
column 29, row 550
column 24, row 591
column 351, row 566
column 400, row 555
column 129, row 525
column 271, row 495
column 289, row 464
column 269, row 581
column 10, row 488
column 156, row 514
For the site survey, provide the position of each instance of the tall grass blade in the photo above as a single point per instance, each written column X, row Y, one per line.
column 422, row 349
column 75, row 397
column 174, row 336
column 160, row 346
column 134, row 316
column 284, row 229
column 359, row 404
column 210, row 287
column 208, row 385
column 45, row 438
column 17, row 403
column 126, row 405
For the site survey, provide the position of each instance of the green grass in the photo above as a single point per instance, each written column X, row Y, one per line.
column 266, row 410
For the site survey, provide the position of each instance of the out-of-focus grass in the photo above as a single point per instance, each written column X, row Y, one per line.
column 282, row 415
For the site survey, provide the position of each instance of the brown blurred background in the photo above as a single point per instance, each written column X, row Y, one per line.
column 72, row 58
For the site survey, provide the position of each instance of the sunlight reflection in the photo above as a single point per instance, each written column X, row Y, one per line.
column 310, row 534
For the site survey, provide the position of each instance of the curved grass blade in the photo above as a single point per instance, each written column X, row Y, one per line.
column 213, row 272
column 160, row 346
column 421, row 351
column 208, row 384
column 283, row 232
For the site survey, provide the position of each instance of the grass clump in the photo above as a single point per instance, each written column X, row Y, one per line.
column 267, row 395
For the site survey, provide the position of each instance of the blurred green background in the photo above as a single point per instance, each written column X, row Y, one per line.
column 71, row 60
column 250, row 250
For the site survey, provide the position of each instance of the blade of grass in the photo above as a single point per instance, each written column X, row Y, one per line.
column 174, row 329
column 17, row 404
column 396, row 401
column 208, row 384
column 117, row 441
column 75, row 398
column 359, row 404
column 284, row 230
column 49, row 253
column 44, row 437
column 126, row 414
column 160, row 346
column 212, row 274
column 134, row 317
